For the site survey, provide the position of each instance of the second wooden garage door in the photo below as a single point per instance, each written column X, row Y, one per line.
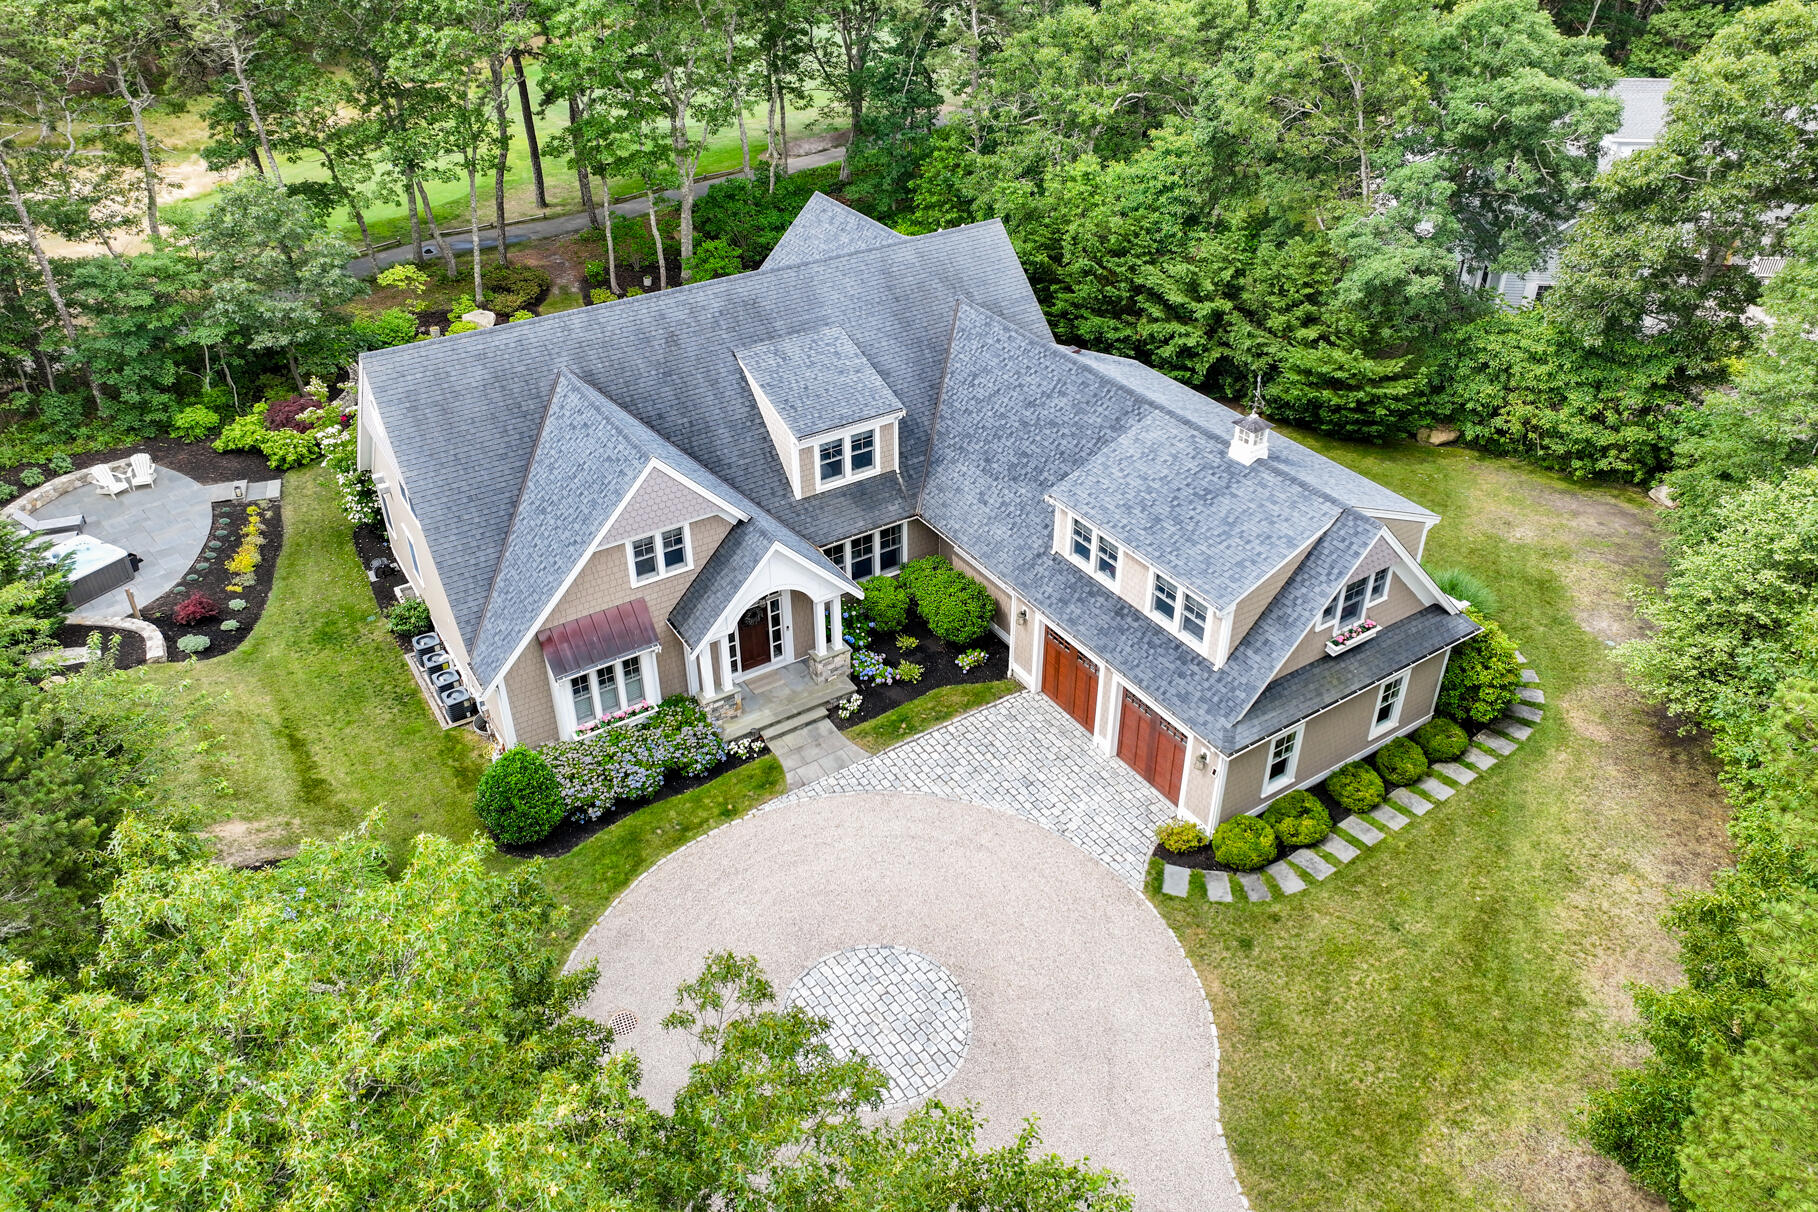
column 1071, row 680
column 1151, row 746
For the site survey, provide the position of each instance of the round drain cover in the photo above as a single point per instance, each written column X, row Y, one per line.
column 895, row 1007
column 623, row 1023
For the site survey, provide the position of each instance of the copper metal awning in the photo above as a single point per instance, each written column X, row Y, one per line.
column 598, row 639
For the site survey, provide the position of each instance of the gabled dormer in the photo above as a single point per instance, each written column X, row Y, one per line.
column 829, row 413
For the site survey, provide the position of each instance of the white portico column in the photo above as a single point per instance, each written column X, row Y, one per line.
column 725, row 663
column 703, row 664
column 821, row 619
column 839, row 626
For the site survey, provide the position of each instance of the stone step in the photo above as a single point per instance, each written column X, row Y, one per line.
column 1522, row 711
column 1514, row 728
column 1458, row 774
column 1361, row 829
column 1519, row 657
column 1530, row 694
column 1388, row 816
column 1338, row 848
column 1285, row 877
column 1528, row 675
column 1175, row 880
column 794, row 723
column 1435, row 788
column 1417, row 804
column 1254, row 888
column 1218, row 887
column 1311, row 863
column 1479, row 758
column 1489, row 740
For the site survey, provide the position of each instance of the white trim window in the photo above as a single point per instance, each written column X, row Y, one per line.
column 874, row 553
column 1093, row 550
column 1389, row 698
column 1379, row 585
column 610, row 693
column 655, row 556
column 849, row 456
column 1284, row 756
column 1347, row 605
column 1177, row 609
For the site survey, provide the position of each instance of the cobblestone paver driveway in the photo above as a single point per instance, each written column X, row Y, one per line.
column 1023, row 755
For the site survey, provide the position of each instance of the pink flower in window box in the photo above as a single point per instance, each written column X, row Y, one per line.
column 1350, row 637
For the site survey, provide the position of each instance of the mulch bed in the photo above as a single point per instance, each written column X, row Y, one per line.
column 229, row 516
column 132, row 645
column 936, row 657
column 1202, row 860
column 197, row 460
column 375, row 556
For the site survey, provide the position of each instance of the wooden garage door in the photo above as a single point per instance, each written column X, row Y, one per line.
column 1151, row 746
column 1070, row 680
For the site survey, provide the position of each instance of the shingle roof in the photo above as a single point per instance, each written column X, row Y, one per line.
column 1644, row 108
column 991, row 465
column 818, row 381
column 462, row 414
column 826, row 228
column 598, row 638
column 739, row 554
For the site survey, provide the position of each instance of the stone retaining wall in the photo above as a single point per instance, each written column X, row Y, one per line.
column 50, row 490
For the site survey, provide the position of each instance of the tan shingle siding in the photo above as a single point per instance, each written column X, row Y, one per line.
column 1251, row 605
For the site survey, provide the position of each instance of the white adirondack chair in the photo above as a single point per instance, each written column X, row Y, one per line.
column 141, row 471
column 105, row 479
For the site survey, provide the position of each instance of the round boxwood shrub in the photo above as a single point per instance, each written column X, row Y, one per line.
column 1355, row 786
column 1298, row 818
column 1180, row 835
column 916, row 573
column 956, row 608
column 1441, row 740
column 1244, row 843
column 519, row 799
column 1400, row 762
column 1482, row 676
column 886, row 603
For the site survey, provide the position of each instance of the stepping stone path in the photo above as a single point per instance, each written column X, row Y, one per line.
column 1489, row 740
column 1389, row 816
column 1519, row 731
column 1458, row 774
column 1435, row 788
column 1530, row 694
column 1311, row 863
column 1338, row 848
column 1528, row 675
column 1254, row 888
column 1416, row 804
column 1174, row 880
column 1479, row 758
column 1522, row 711
column 1285, row 878
column 1218, row 886
column 1361, row 829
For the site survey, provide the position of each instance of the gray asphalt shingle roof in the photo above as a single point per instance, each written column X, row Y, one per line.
column 818, row 381
column 826, row 228
column 463, row 412
column 1644, row 108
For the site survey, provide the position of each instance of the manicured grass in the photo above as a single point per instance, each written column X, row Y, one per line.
column 918, row 715
column 315, row 720
column 1416, row 1032
column 590, row 877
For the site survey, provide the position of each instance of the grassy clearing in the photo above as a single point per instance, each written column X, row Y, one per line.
column 1416, row 1032
column 918, row 715
column 314, row 720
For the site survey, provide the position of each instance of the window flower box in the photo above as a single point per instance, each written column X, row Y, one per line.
column 1351, row 637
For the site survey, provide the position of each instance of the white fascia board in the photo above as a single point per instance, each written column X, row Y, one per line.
column 764, row 581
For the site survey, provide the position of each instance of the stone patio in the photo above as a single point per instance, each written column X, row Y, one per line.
column 164, row 525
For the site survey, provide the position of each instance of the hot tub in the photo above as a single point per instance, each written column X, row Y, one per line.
column 95, row 567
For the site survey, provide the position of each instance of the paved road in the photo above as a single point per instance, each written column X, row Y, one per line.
column 563, row 225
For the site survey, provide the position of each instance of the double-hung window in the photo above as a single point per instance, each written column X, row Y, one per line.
column 833, row 460
column 847, row 457
column 890, row 548
column 610, row 690
column 1106, row 564
column 657, row 555
column 862, row 449
column 1388, row 703
column 1082, row 541
column 862, row 556
column 1193, row 617
column 1284, row 754
column 1166, row 598
column 1178, row 609
column 1347, row 605
column 1379, row 586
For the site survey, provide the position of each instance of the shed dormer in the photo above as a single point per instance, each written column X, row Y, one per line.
column 831, row 415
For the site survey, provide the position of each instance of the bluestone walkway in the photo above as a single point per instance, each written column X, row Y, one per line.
column 1024, row 755
column 164, row 525
column 812, row 753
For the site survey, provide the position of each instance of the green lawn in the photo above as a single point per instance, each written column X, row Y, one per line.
column 1415, row 1032
column 920, row 714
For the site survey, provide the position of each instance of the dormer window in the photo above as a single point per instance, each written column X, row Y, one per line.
column 1082, row 542
column 862, row 448
column 1166, row 600
column 1094, row 551
column 1193, row 617
column 1178, row 609
column 1107, row 559
column 833, row 460
column 830, row 414
column 847, row 458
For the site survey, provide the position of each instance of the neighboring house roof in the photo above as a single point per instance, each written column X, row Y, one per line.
column 1644, row 109
column 818, row 381
column 463, row 413
column 599, row 638
column 1018, row 415
column 1168, row 490
column 826, row 228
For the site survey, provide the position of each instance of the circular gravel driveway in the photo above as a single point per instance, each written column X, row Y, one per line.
column 1082, row 1008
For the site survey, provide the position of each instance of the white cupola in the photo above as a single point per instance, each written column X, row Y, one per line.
column 1250, row 439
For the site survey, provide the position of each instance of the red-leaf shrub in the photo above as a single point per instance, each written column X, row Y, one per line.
column 198, row 607
column 283, row 414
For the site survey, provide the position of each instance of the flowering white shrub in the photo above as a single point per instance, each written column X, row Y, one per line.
column 340, row 454
column 849, row 704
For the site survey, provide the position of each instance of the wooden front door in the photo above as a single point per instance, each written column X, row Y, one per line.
column 1070, row 680
column 754, row 637
column 1151, row 746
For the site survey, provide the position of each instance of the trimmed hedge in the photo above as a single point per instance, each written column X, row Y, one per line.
column 1180, row 835
column 1355, row 786
column 519, row 800
column 917, row 573
column 1244, row 843
column 1482, row 676
column 1441, row 740
column 1298, row 818
column 885, row 603
column 1400, row 762
column 956, row 608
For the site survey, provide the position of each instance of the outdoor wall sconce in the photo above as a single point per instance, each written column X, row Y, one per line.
column 1022, row 616
column 1201, row 760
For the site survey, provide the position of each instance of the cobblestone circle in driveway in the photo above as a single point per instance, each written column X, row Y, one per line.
column 895, row 1007
column 1024, row 755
